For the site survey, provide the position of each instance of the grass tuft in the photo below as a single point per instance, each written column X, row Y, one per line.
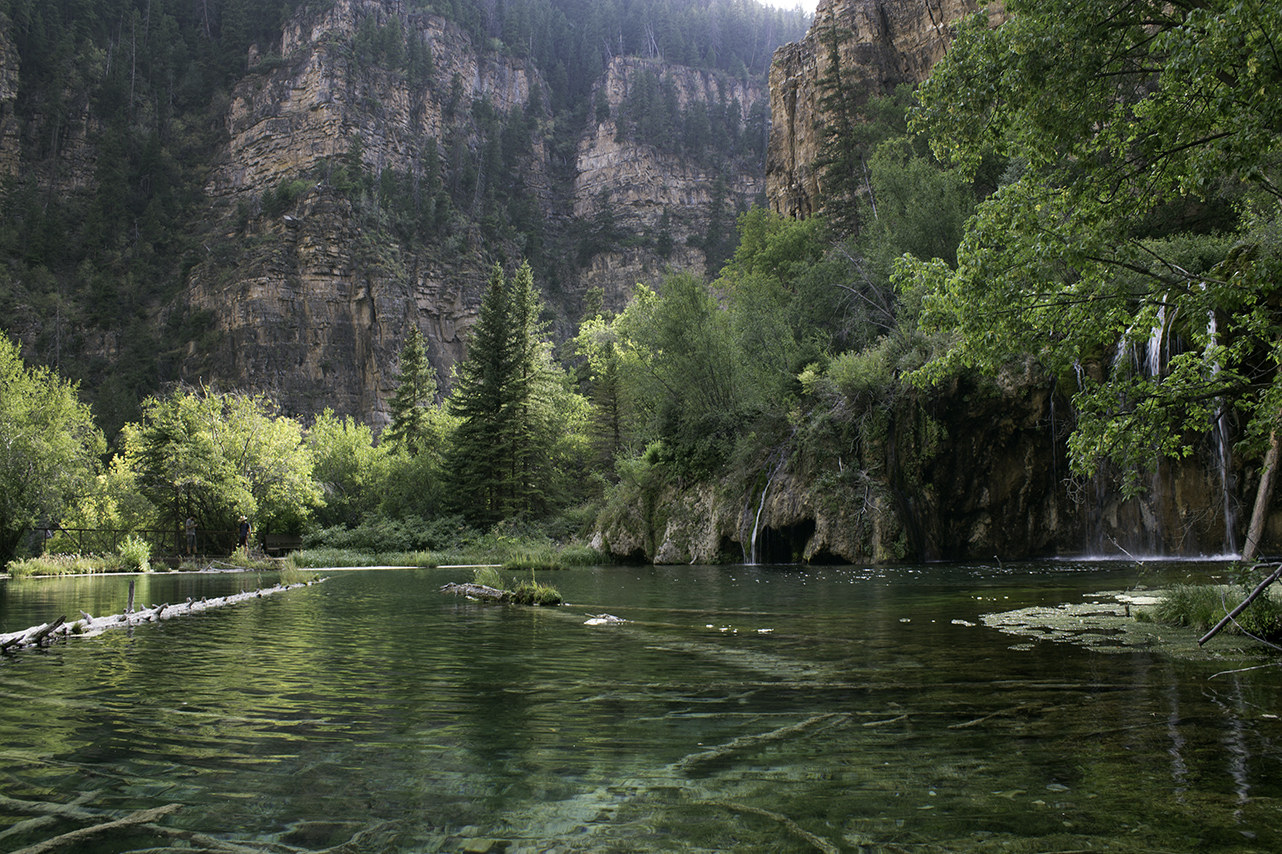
column 1201, row 606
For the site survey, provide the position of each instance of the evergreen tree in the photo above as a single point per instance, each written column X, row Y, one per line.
column 483, row 454
column 414, row 397
column 501, row 458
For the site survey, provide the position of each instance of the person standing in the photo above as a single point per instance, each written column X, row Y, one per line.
column 190, row 527
column 243, row 542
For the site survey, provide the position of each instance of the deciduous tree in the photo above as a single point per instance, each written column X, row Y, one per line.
column 1124, row 122
column 216, row 455
column 49, row 447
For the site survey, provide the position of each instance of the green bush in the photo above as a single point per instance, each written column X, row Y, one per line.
column 1201, row 606
column 384, row 534
column 322, row 557
column 136, row 554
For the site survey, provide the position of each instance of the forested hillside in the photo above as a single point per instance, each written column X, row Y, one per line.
column 112, row 115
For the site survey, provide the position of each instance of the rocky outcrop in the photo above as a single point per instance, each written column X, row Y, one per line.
column 881, row 44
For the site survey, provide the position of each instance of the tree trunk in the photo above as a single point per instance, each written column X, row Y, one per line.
column 1263, row 498
column 1229, row 617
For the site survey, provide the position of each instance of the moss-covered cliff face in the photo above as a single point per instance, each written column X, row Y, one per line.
column 967, row 472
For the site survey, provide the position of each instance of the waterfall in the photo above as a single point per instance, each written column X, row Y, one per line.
column 1153, row 352
column 1220, row 448
column 753, row 558
column 1220, row 438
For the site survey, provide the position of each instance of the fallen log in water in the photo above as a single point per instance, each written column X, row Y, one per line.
column 89, row 626
column 477, row 591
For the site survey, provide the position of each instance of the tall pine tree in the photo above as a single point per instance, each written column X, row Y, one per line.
column 500, row 459
column 486, row 400
column 410, row 429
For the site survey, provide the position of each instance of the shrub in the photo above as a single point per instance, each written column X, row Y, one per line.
column 1201, row 606
column 57, row 564
column 136, row 553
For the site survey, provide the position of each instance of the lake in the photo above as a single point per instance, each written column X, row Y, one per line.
column 771, row 709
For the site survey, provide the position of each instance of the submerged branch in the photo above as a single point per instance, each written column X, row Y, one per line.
column 76, row 837
column 794, row 828
column 746, row 742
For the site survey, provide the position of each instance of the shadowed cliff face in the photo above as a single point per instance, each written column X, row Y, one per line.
column 883, row 43
column 969, row 471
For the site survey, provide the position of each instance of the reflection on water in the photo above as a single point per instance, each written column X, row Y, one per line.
column 737, row 709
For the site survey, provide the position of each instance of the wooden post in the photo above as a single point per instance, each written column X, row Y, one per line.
column 129, row 609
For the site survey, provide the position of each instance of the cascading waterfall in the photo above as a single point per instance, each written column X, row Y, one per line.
column 1220, row 444
column 753, row 557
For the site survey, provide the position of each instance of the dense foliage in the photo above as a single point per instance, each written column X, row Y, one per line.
column 1132, row 250
column 49, row 448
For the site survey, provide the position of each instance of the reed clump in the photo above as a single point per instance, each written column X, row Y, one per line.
column 1201, row 606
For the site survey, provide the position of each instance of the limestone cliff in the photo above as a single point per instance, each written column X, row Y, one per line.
column 643, row 182
column 305, row 308
column 881, row 44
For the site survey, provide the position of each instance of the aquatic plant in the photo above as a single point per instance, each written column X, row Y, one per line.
column 524, row 592
column 532, row 592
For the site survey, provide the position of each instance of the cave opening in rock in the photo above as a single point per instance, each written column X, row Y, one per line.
column 786, row 544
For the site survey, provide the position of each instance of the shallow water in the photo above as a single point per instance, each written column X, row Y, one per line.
column 738, row 709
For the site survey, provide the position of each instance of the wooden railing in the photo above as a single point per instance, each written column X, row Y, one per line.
column 164, row 542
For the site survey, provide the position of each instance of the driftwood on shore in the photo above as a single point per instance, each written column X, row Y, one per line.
column 89, row 626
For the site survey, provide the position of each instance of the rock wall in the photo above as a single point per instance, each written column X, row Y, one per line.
column 643, row 182
column 306, row 310
column 883, row 43
column 10, row 146
column 291, row 113
column 972, row 471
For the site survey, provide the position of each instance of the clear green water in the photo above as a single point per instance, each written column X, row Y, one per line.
column 740, row 709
